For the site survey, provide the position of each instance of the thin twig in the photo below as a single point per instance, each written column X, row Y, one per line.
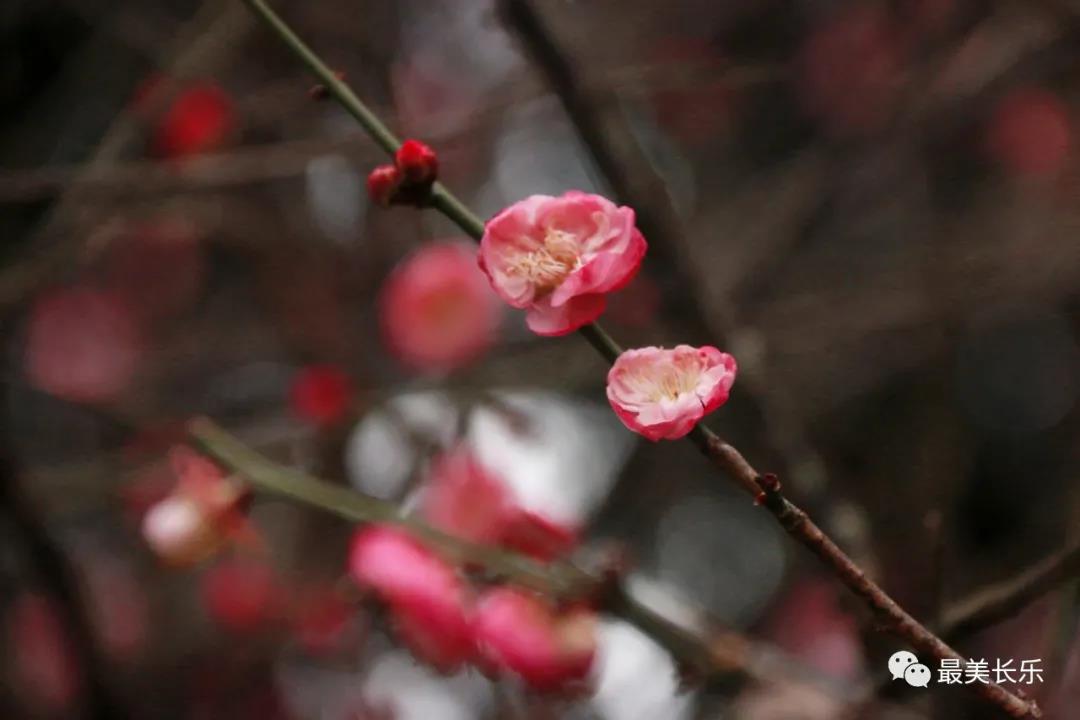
column 795, row 521
column 1002, row 600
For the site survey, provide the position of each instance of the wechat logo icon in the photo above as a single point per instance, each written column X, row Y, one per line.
column 903, row 665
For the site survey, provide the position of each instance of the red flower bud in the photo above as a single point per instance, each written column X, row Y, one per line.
column 321, row 394
column 417, row 162
column 383, row 184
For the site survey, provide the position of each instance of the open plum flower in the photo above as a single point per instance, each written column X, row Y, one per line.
column 557, row 257
column 662, row 393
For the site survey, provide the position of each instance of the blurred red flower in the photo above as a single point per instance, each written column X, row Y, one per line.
column 436, row 311
column 551, row 651
column 83, row 344
column 321, row 394
column 41, row 654
column 1029, row 132
column 240, row 595
column 429, row 602
column 199, row 119
column 851, row 70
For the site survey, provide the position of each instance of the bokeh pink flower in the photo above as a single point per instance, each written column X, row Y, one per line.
column 557, row 257
column 437, row 313
column 83, row 344
column 321, row 394
column 429, row 602
column 465, row 498
column 662, row 393
column 200, row 515
column 240, row 595
column 1029, row 133
column 519, row 632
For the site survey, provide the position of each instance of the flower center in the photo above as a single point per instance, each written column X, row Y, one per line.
column 549, row 265
column 668, row 381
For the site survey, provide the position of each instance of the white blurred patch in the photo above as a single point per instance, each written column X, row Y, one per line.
column 566, row 461
column 323, row 693
column 380, row 454
column 561, row 463
column 735, row 583
column 453, row 58
column 538, row 151
column 635, row 677
column 413, row 692
column 335, row 197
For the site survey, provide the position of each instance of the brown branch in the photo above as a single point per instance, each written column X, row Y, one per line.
column 999, row 601
column 892, row 617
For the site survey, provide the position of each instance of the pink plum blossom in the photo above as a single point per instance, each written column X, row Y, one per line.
column 436, row 311
column 557, row 257
column 429, row 602
column 536, row 535
column 519, row 632
column 240, row 595
column 41, row 656
column 200, row 515
column 83, row 344
column 662, row 393
column 464, row 498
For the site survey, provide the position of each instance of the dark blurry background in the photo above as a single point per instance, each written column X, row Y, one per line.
column 872, row 205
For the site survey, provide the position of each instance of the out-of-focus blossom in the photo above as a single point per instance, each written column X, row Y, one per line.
column 324, row 621
column 464, row 498
column 179, row 532
column 428, row 600
column 201, row 514
column 240, row 595
column 520, row 633
column 83, row 344
column 662, row 393
column 533, row 534
column 118, row 606
column 199, row 119
column 156, row 267
column 809, row 624
column 437, row 313
column 41, row 654
column 852, row 70
column 1029, row 132
column 321, row 394
column 557, row 257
